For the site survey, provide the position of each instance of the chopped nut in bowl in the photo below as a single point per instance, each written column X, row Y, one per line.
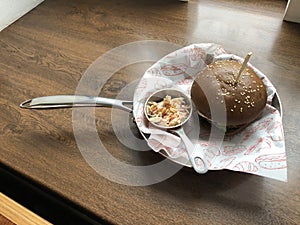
column 168, row 108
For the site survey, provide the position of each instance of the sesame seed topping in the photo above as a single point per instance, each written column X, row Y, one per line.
column 241, row 109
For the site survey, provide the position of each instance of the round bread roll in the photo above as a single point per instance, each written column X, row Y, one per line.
column 216, row 89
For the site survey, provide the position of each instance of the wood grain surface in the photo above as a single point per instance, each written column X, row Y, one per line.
column 47, row 51
column 5, row 221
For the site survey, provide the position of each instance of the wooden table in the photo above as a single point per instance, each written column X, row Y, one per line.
column 47, row 51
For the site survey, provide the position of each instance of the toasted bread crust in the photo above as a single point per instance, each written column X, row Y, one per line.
column 242, row 100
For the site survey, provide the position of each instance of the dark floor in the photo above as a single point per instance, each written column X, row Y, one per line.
column 49, row 206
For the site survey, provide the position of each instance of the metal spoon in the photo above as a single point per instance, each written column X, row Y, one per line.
column 196, row 156
column 68, row 101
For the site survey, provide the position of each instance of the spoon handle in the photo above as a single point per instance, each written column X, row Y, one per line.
column 68, row 101
column 196, row 156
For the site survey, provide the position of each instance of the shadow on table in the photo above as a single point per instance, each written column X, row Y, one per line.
column 222, row 188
